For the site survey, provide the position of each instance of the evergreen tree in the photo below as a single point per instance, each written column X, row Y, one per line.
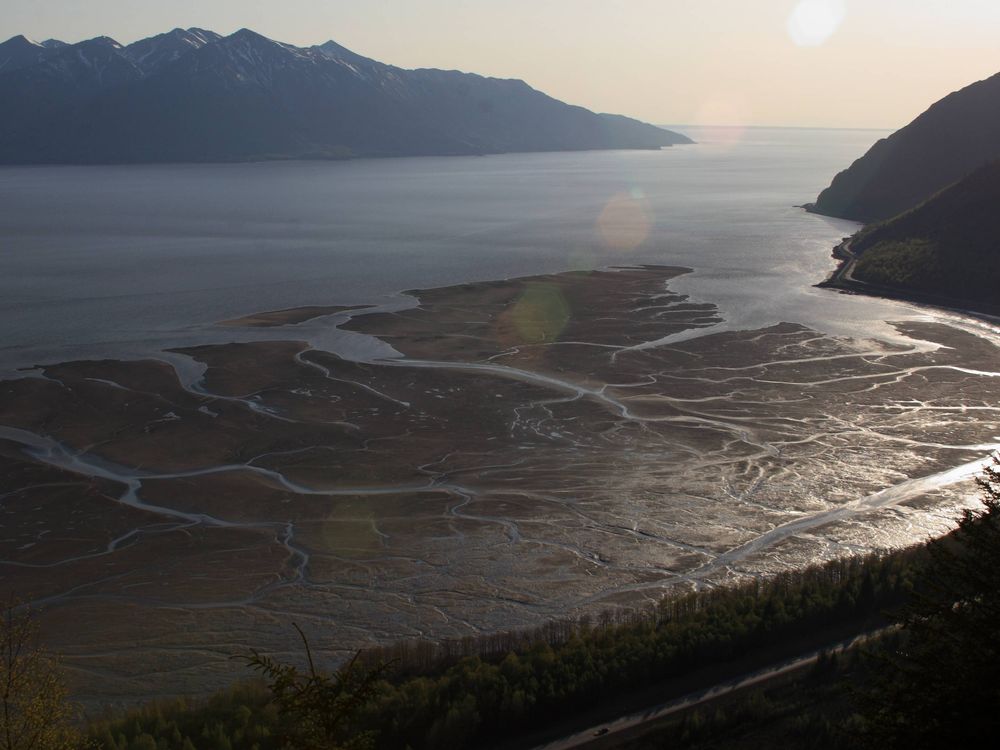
column 941, row 687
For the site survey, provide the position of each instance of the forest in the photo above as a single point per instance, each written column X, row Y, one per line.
column 479, row 692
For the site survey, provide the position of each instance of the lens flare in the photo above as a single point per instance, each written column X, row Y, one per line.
column 624, row 223
column 538, row 316
column 812, row 22
column 345, row 536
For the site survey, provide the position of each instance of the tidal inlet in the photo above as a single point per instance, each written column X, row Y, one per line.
column 492, row 456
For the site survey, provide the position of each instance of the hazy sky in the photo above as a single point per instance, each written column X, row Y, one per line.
column 844, row 63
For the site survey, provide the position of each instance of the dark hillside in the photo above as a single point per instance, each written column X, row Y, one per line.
column 955, row 136
column 948, row 246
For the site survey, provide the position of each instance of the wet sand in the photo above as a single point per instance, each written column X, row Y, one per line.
column 543, row 447
column 292, row 316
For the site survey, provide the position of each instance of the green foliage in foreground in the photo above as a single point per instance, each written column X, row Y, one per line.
column 34, row 711
column 316, row 709
column 478, row 700
column 244, row 716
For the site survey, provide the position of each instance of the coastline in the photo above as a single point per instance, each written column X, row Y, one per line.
column 288, row 316
column 541, row 447
column 842, row 279
column 322, row 157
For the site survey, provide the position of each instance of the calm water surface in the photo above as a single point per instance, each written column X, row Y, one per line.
column 125, row 261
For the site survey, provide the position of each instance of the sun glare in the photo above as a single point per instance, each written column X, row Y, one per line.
column 813, row 22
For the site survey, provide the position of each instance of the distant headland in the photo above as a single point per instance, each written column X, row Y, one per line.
column 195, row 96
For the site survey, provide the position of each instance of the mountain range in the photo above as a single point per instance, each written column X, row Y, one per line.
column 193, row 95
column 954, row 137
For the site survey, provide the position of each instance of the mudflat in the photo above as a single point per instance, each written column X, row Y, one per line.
column 542, row 447
column 291, row 316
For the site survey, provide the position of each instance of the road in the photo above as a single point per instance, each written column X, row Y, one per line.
column 604, row 734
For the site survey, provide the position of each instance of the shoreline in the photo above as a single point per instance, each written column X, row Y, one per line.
column 842, row 280
column 289, row 316
column 333, row 158
column 546, row 429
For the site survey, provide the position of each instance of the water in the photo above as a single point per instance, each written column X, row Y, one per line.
column 476, row 495
column 125, row 261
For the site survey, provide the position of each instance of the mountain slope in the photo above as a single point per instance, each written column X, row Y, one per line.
column 153, row 54
column 190, row 95
column 19, row 52
column 955, row 136
column 61, row 78
column 948, row 246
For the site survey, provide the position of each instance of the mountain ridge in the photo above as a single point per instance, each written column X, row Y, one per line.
column 952, row 138
column 193, row 95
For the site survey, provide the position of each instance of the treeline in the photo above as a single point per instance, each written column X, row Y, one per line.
column 859, row 584
column 244, row 716
column 478, row 692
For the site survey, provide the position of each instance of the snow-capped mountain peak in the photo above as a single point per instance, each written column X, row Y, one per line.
column 191, row 95
column 19, row 52
column 153, row 54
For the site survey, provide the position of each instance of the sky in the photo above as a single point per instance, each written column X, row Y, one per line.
column 809, row 63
